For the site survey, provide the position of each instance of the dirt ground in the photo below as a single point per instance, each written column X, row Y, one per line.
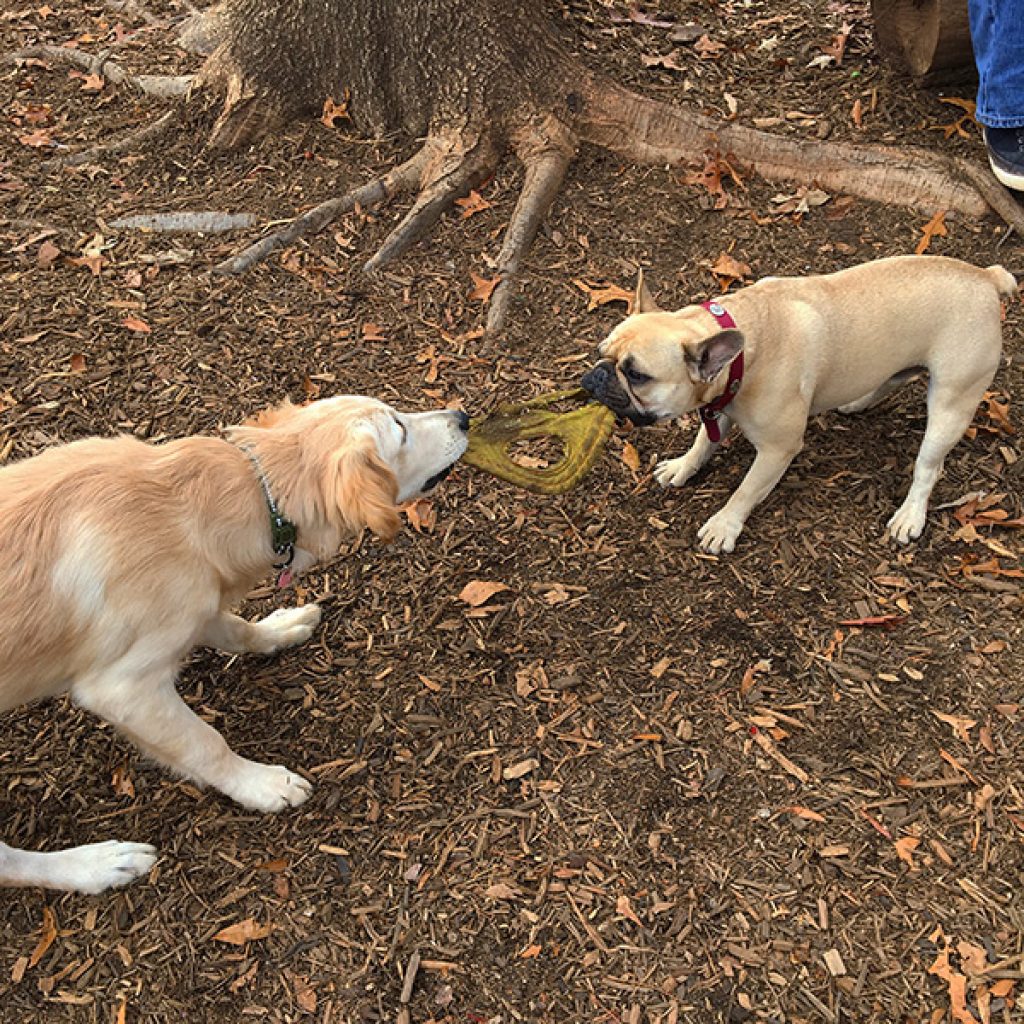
column 638, row 784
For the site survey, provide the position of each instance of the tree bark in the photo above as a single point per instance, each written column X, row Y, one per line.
column 931, row 38
column 477, row 79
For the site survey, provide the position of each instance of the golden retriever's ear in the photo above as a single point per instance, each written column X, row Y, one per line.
column 365, row 491
column 643, row 301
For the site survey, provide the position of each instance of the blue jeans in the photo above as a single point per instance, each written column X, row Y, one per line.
column 997, row 31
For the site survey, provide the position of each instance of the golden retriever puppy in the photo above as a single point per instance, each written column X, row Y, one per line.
column 118, row 557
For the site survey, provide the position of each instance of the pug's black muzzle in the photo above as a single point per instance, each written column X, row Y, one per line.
column 604, row 385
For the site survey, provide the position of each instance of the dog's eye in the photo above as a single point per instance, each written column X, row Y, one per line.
column 634, row 376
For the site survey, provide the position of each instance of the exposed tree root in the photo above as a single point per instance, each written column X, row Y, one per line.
column 513, row 88
column 166, row 87
column 546, row 161
column 129, row 143
column 399, row 179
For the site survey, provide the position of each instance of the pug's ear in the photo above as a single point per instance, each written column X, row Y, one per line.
column 706, row 359
column 643, row 301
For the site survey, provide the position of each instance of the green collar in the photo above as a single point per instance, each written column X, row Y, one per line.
column 283, row 533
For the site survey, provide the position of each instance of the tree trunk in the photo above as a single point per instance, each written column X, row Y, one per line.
column 931, row 38
column 476, row 79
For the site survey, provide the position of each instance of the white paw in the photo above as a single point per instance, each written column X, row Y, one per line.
column 675, row 472
column 101, row 866
column 718, row 535
column 287, row 627
column 907, row 523
column 267, row 787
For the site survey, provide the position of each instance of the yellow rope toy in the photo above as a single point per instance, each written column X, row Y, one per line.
column 583, row 431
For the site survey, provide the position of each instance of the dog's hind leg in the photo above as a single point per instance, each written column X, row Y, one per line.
column 894, row 383
column 284, row 627
column 950, row 410
column 145, row 706
column 90, row 869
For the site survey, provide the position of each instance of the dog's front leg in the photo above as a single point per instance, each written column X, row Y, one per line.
column 675, row 472
column 284, row 627
column 719, row 533
column 148, row 710
column 91, row 868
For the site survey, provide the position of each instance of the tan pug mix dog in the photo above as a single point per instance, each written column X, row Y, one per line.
column 836, row 341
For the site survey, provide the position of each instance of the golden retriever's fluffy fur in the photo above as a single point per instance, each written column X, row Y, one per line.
column 117, row 557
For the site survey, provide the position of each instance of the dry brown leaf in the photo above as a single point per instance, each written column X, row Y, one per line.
column 473, row 203
column 960, row 725
column 601, row 295
column 905, row 848
column 630, row 458
column 625, row 908
column 242, row 932
column 530, row 952
column 857, row 113
column 48, row 252
column 422, row 515
column 936, row 226
column 804, row 812
column 304, row 994
column 501, row 891
column 477, row 592
column 334, row 111
column 729, row 269
column 973, row 959
column 483, row 287
column 134, row 323
column 46, row 938
column 751, row 674
column 77, row 362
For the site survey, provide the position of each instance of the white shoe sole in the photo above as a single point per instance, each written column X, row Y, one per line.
column 1009, row 178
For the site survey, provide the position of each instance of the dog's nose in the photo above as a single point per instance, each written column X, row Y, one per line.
column 462, row 419
column 596, row 379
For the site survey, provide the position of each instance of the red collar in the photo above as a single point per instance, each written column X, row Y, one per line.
column 709, row 413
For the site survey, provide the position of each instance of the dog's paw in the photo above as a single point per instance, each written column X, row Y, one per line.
column 907, row 523
column 100, row 866
column 288, row 627
column 718, row 535
column 675, row 472
column 267, row 787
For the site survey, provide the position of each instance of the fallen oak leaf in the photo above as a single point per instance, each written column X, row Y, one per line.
column 46, row 938
column 242, row 932
column 501, row 891
column 936, row 226
column 804, row 812
column 728, row 270
column 134, row 323
column 477, row 592
column 483, row 287
column 473, row 203
column 960, row 725
column 335, row 111
column 905, row 848
column 601, row 295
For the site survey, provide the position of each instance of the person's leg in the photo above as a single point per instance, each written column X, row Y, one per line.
column 997, row 32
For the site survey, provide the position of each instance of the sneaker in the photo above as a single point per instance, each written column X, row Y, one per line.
column 1006, row 155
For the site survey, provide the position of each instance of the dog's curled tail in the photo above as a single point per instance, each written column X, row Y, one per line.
column 1005, row 282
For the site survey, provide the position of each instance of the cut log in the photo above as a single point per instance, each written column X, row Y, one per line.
column 930, row 38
